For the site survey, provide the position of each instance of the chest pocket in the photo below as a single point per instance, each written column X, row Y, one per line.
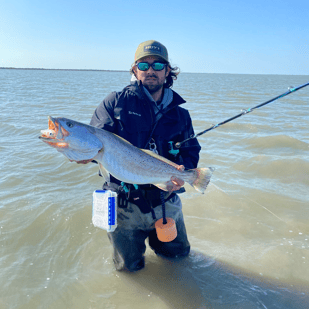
column 133, row 122
column 168, row 130
column 171, row 128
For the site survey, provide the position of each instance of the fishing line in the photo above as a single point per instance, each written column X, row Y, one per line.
column 287, row 223
column 267, row 210
column 243, row 112
column 264, row 207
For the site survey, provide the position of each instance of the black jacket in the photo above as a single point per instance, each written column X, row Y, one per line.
column 129, row 114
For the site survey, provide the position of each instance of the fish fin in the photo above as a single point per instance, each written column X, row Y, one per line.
column 162, row 186
column 121, row 138
column 200, row 178
column 151, row 153
column 167, row 186
column 105, row 174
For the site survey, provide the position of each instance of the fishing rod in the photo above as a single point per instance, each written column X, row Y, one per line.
column 243, row 112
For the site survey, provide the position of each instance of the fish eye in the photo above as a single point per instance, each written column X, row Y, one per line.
column 70, row 124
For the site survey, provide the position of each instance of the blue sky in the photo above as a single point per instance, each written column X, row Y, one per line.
column 251, row 37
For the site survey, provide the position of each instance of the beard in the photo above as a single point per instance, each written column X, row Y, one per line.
column 153, row 88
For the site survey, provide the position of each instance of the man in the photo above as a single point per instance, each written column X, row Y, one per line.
column 147, row 114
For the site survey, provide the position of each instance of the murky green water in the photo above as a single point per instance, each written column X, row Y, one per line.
column 249, row 232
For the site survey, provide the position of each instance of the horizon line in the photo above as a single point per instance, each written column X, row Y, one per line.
column 101, row 70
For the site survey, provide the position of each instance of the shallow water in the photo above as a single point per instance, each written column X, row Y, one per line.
column 249, row 232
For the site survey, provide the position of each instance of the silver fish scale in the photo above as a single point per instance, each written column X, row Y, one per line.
column 129, row 164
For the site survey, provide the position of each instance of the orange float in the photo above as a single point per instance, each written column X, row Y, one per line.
column 166, row 232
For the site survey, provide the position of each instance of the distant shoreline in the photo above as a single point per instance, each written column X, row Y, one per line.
column 42, row 69
column 97, row 70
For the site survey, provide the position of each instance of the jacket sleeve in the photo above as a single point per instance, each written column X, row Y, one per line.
column 103, row 116
column 189, row 151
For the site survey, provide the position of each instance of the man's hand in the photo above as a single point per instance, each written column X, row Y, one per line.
column 176, row 183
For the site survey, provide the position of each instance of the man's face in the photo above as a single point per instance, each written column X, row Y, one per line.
column 152, row 80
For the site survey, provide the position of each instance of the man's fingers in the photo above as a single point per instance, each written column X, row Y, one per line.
column 181, row 168
column 177, row 181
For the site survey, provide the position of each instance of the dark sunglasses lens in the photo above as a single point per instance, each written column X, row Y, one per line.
column 143, row 66
column 158, row 66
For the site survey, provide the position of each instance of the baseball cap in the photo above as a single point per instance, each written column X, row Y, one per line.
column 151, row 48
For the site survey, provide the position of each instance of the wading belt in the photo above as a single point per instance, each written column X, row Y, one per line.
column 145, row 197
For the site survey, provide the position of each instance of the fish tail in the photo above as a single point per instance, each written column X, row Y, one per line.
column 200, row 178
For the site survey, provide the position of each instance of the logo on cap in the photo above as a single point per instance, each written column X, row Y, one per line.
column 152, row 47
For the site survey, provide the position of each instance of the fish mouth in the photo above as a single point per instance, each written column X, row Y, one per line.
column 55, row 134
column 52, row 131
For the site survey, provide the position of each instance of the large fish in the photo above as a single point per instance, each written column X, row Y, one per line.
column 118, row 157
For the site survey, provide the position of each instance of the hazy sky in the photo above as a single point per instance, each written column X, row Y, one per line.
column 211, row 36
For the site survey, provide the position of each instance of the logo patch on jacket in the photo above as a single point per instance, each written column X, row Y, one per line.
column 133, row 113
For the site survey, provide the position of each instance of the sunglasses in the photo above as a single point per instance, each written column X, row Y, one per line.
column 156, row 66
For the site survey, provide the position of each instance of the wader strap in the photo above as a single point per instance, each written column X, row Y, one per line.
column 145, row 198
